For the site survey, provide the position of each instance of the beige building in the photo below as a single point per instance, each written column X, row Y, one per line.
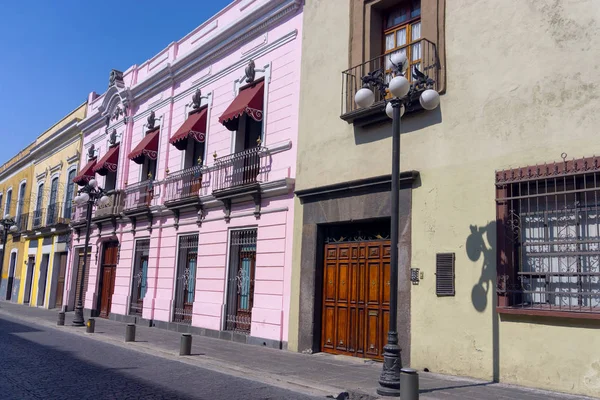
column 499, row 272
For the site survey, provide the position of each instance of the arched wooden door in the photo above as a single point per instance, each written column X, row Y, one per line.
column 356, row 295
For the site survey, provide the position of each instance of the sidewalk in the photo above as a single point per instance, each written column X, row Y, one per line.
column 319, row 374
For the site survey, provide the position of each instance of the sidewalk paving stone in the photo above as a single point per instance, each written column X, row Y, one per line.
column 318, row 373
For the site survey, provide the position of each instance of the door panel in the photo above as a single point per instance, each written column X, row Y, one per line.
column 60, row 283
column 356, row 298
column 107, row 284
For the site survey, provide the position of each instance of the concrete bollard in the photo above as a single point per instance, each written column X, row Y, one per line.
column 409, row 384
column 130, row 333
column 90, row 326
column 185, row 346
column 61, row 318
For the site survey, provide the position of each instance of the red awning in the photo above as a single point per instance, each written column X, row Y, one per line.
column 148, row 147
column 194, row 127
column 86, row 173
column 109, row 162
column 249, row 101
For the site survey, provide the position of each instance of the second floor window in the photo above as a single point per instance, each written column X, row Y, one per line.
column 402, row 34
column 194, row 153
column 8, row 201
column 38, row 206
column 69, row 195
column 149, row 169
column 21, row 199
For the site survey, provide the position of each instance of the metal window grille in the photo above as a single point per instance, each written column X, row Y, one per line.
column 139, row 279
column 240, row 287
column 444, row 274
column 550, row 236
column 185, row 285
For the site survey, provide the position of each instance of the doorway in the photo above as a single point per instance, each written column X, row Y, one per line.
column 29, row 280
column 60, row 283
column 42, row 280
column 107, row 277
column 11, row 276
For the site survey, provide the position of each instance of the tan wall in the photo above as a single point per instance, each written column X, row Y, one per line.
column 522, row 88
column 78, row 113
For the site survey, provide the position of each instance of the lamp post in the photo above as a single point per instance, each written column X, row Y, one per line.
column 7, row 224
column 403, row 93
column 90, row 194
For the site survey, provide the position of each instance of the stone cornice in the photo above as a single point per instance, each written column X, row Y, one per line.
column 232, row 36
column 58, row 138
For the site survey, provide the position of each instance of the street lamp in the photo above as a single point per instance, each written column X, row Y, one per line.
column 403, row 93
column 91, row 194
column 7, row 224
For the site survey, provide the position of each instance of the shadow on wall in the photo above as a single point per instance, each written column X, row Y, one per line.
column 481, row 245
column 409, row 123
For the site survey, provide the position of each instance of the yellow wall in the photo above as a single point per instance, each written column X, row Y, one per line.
column 522, row 88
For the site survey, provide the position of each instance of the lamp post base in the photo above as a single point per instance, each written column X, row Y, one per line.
column 78, row 319
column 389, row 381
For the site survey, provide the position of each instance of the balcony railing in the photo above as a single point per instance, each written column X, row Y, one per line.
column 38, row 219
column 184, row 184
column 78, row 214
column 352, row 82
column 238, row 169
column 114, row 206
column 139, row 196
column 22, row 222
column 49, row 216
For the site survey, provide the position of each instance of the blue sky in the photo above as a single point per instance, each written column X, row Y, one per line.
column 54, row 52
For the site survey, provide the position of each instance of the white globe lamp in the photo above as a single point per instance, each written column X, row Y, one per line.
column 84, row 198
column 389, row 110
column 400, row 60
column 13, row 228
column 104, row 200
column 93, row 183
column 430, row 99
column 399, row 86
column 364, row 97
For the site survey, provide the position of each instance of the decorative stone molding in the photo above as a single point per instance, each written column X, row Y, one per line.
column 57, row 167
column 74, row 158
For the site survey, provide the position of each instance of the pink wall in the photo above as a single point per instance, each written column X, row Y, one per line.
column 278, row 48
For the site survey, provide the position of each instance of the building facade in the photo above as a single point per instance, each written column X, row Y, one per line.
column 15, row 192
column 45, row 229
column 196, row 150
column 498, row 269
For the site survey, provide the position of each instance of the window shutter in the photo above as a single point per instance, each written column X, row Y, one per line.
column 444, row 274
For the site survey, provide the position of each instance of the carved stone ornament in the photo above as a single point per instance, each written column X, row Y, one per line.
column 250, row 72
column 91, row 152
column 151, row 120
column 112, row 140
column 107, row 120
column 116, row 77
column 196, row 99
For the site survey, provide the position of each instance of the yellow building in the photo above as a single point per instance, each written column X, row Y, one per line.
column 15, row 192
column 499, row 275
column 55, row 157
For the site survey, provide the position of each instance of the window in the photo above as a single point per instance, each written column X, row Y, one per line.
column 37, row 216
column 194, row 153
column 110, row 181
column 52, row 206
column 148, row 169
column 21, row 201
column 248, row 133
column 185, row 286
column 1, row 203
column 8, row 201
column 550, row 238
column 69, row 194
column 140, row 277
column 402, row 34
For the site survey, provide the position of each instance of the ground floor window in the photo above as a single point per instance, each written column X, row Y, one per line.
column 185, row 284
column 240, row 283
column 139, row 281
column 549, row 237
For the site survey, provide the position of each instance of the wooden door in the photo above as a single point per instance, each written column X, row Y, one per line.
column 85, row 277
column 29, row 280
column 107, row 284
column 356, row 294
column 60, row 283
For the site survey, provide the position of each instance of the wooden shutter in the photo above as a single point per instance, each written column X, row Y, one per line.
column 444, row 274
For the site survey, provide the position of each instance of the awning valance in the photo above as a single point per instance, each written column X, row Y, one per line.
column 86, row 173
column 148, row 147
column 109, row 162
column 249, row 101
column 194, row 127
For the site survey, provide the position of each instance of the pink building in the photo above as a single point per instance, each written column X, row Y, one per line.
column 198, row 148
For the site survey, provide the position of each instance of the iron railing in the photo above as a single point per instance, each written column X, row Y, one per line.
column 352, row 77
column 78, row 213
column 139, row 195
column 183, row 184
column 550, row 241
column 239, row 169
column 22, row 222
column 114, row 206
column 38, row 219
column 54, row 215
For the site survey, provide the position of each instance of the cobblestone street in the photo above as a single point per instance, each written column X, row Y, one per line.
column 42, row 363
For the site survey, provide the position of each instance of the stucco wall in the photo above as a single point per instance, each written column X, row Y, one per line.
column 522, row 87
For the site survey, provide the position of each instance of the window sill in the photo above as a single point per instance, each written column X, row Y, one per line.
column 547, row 313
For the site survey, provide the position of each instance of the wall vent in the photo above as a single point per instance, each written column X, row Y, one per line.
column 444, row 274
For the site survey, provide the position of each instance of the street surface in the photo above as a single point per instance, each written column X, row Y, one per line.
column 42, row 363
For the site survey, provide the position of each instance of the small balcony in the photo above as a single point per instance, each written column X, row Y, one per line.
column 78, row 214
column 139, row 197
column 428, row 64
column 238, row 172
column 22, row 222
column 113, row 208
column 183, row 188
